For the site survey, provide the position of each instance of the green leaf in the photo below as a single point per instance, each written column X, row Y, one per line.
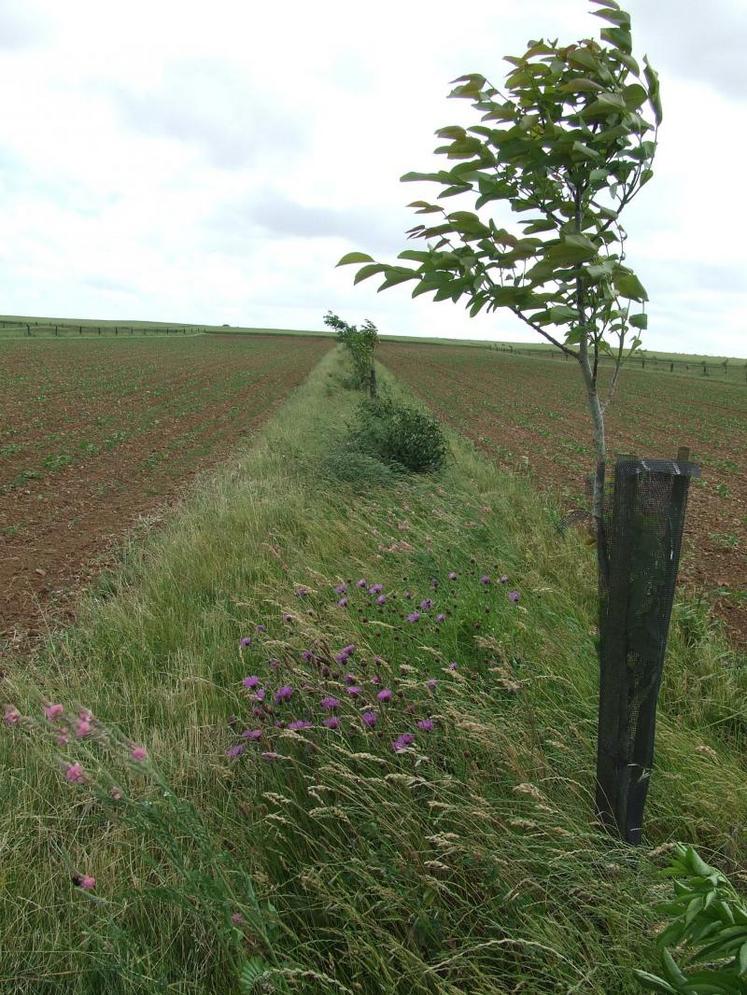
column 634, row 95
column 355, row 257
column 654, row 983
column 615, row 16
column 562, row 313
column 580, row 84
column 629, row 286
column 639, row 321
column 619, row 37
column 371, row 270
column 423, row 207
column 652, row 78
column 582, row 57
column 671, row 969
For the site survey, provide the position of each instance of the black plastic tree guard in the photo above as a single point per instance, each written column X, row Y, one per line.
column 643, row 538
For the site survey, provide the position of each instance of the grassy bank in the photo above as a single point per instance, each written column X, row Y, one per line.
column 465, row 862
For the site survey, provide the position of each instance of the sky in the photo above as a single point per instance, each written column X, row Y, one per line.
column 211, row 162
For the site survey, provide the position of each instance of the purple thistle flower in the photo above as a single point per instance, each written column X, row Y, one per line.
column 385, row 694
column 375, row 680
column 413, row 617
column 252, row 735
column 376, row 589
column 235, row 751
column 342, row 603
column 260, row 694
column 307, row 656
column 299, row 724
column 332, row 722
column 350, row 678
column 369, row 719
column 245, row 641
column 274, row 664
column 431, row 683
column 453, row 575
column 283, row 694
column 361, row 583
column 381, row 600
column 345, row 653
column 237, row 919
column 485, row 580
column 330, row 703
column 513, row 596
column 261, row 628
column 341, row 588
column 504, row 579
column 426, row 604
column 354, row 691
column 453, row 665
column 440, row 618
column 402, row 742
column 426, row 725
column 251, row 682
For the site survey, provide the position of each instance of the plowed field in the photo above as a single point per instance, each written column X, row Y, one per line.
column 530, row 413
column 96, row 433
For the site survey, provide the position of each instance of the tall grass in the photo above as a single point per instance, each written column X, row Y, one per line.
column 467, row 863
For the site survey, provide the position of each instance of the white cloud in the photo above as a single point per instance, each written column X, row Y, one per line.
column 187, row 162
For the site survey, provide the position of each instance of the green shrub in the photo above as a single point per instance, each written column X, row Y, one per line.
column 708, row 921
column 401, row 435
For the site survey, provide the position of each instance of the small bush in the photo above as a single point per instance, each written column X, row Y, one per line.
column 400, row 434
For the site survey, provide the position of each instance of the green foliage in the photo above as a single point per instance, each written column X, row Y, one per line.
column 566, row 144
column 398, row 433
column 708, row 916
column 361, row 345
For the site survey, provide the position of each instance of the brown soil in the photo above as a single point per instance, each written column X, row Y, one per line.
column 98, row 437
column 528, row 413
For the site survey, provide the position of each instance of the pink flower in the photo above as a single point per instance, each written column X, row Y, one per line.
column 431, row 683
column 251, row 681
column 53, row 712
column 342, row 603
column 369, row 719
column 62, row 738
column 237, row 919
column 138, row 753
column 252, row 734
column 85, row 715
column 82, row 728
column 385, row 694
column 75, row 774
column 235, row 751
column 513, row 596
column 332, row 722
column 425, row 725
column 84, row 881
column 354, row 690
column 12, row 716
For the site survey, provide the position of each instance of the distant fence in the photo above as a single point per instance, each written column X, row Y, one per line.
column 59, row 328
column 732, row 371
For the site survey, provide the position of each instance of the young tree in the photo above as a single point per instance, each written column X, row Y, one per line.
column 567, row 143
column 361, row 344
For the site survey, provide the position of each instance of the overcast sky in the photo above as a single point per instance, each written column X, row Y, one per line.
column 211, row 161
